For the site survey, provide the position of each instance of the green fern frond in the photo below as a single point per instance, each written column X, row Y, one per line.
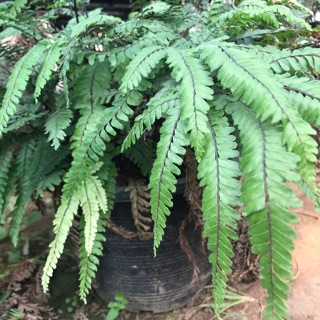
column 289, row 16
column 48, row 65
column 170, row 148
column 311, row 193
column 218, row 175
column 249, row 13
column 195, row 90
column 87, row 123
column 49, row 182
column 17, row 83
column 62, row 224
column 305, row 97
column 89, row 89
column 24, row 158
column 298, row 136
column 89, row 263
column 32, row 166
column 6, row 153
column 267, row 198
column 92, row 198
column 156, row 108
column 107, row 175
column 22, row 175
column 273, row 14
column 93, row 144
column 213, row 11
column 64, row 68
column 143, row 155
column 94, row 19
column 56, row 125
column 261, row 89
column 189, row 18
column 17, row 6
column 269, row 101
column 306, row 59
column 21, row 119
column 128, row 52
column 141, row 66
column 91, row 85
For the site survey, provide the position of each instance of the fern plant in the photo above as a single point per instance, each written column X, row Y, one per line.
column 226, row 81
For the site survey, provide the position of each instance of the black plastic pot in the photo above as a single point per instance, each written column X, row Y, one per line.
column 149, row 283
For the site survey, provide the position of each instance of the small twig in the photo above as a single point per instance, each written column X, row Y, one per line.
column 307, row 214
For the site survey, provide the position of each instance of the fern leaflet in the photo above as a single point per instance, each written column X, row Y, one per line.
column 170, row 148
column 56, row 124
column 234, row 66
column 62, row 224
column 48, row 65
column 194, row 91
column 17, row 6
column 93, row 144
column 305, row 59
column 141, row 66
column 35, row 165
column 90, row 262
column 267, row 198
column 156, row 108
column 92, row 198
column 6, row 162
column 221, row 191
column 304, row 95
column 17, row 83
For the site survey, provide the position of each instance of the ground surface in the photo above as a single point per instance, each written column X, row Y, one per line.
column 304, row 301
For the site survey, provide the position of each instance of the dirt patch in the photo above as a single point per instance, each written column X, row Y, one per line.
column 304, row 301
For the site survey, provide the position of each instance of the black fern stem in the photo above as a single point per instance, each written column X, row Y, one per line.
column 76, row 10
column 267, row 206
column 216, row 151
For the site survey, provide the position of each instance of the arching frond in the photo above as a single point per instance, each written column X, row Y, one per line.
column 89, row 262
column 92, row 199
column 49, row 182
column 141, row 66
column 107, row 175
column 218, row 175
column 48, row 65
column 17, row 6
column 17, row 83
column 269, row 101
column 305, row 97
column 93, row 144
column 170, row 148
column 294, row 61
column 156, row 108
column 92, row 85
column 32, row 166
column 62, row 224
column 232, row 65
column 267, row 199
column 194, row 92
column 6, row 153
column 56, row 124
